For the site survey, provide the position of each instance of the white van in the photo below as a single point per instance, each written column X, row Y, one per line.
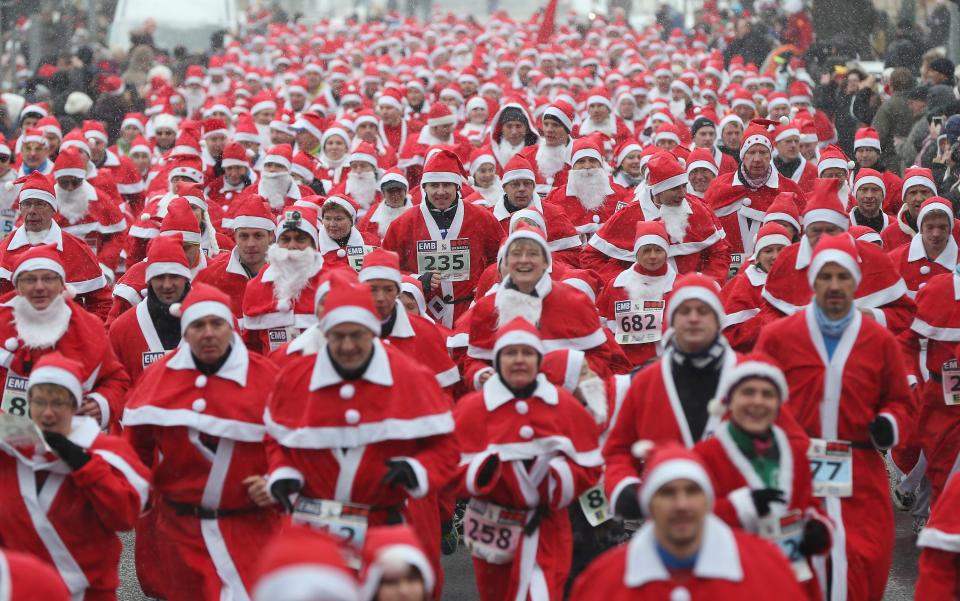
column 187, row 23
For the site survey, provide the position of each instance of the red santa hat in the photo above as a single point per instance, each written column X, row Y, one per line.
column 381, row 264
column 193, row 194
column 562, row 111
column 312, row 123
column 664, row 464
column 246, row 129
column 518, row 331
column 526, row 232
column 664, row 172
column 392, row 550
column 187, row 166
column 777, row 99
column 140, row 145
column 784, row 208
column 349, row 303
column 414, row 288
column 302, row 563
column 443, row 166
column 827, row 203
column 917, row 176
column 440, row 114
column 585, row 147
column 786, row 129
column 301, row 218
column 770, row 234
column 213, row 126
column 865, row 234
column 651, row 232
column 56, row 368
column 752, row 365
column 303, row 166
column 935, row 203
column 344, row 202
column 234, row 155
column 391, row 97
column 727, row 120
column 758, row 132
column 181, row 220
column 165, row 256
column 562, row 367
column 832, row 157
column 701, row 158
column 518, row 168
column 799, row 93
column 694, row 286
column 867, row 137
column 70, row 163
column 599, row 96
column 365, row 153
column 43, row 256
column 481, row 156
column 202, row 301
column 262, row 102
column 869, row 176
column 624, row 149
column 394, row 175
column 94, row 130
column 50, row 125
column 667, row 131
column 743, row 98
column 33, row 134
column 281, row 154
column 252, row 212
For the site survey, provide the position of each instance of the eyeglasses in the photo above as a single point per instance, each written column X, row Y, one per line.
column 31, row 280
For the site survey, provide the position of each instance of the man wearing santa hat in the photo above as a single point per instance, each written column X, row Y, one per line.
column 866, row 153
column 684, row 551
column 144, row 335
column 253, row 229
column 276, row 185
column 393, row 202
column 65, row 503
column 740, row 199
column 394, row 129
column 445, row 240
column 882, row 295
column 696, row 243
column 367, row 126
column 788, row 160
column 551, row 154
column 237, row 175
column 701, row 171
column 361, row 182
column 520, row 479
column 588, row 197
column 38, row 206
column 870, row 191
column 849, row 392
column 511, row 131
column 601, row 119
column 338, row 464
column 933, row 249
column 196, row 418
column 278, row 304
column 34, row 153
column 918, row 185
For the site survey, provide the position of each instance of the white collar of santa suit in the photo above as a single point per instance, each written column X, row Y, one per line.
column 901, row 222
column 328, row 244
column 378, row 372
column 500, row 208
column 309, row 342
column 430, row 222
column 496, row 394
column 692, row 192
column 587, row 125
column 200, row 266
column 773, row 181
column 54, row 236
column 756, row 277
column 631, row 274
column 234, row 369
column 956, row 286
column 543, row 286
column 402, row 328
column 608, row 189
column 111, row 160
column 269, row 275
column 946, row 259
column 718, row 558
column 378, row 212
column 383, row 133
column 83, row 432
column 425, row 137
column 804, row 253
column 234, row 265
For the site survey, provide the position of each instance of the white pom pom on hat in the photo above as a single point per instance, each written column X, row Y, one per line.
column 175, row 309
column 70, row 291
column 641, row 448
column 784, row 120
column 11, row 344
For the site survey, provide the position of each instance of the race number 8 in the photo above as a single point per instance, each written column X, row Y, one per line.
column 18, row 406
column 595, row 498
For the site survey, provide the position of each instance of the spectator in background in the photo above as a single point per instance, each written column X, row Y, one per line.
column 920, row 146
column 939, row 71
column 946, row 165
column 905, row 49
column 752, row 44
column 77, row 110
column 141, row 61
column 852, row 103
column 895, row 117
column 938, row 23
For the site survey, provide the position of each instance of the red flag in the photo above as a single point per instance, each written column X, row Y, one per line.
column 549, row 19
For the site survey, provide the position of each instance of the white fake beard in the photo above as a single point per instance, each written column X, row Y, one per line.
column 594, row 395
column 589, row 186
column 273, row 187
column 508, row 150
column 387, row 216
column 492, row 193
column 607, row 126
column 675, row 219
column 513, row 303
column 362, row 187
column 678, row 108
column 35, row 238
column 194, row 99
column 551, row 159
column 72, row 205
column 293, row 270
column 642, row 288
column 44, row 328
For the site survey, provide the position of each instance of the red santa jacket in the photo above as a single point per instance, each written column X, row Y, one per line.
column 804, row 174
column 85, row 340
column 881, row 290
column 731, row 565
column 268, row 322
column 202, row 436
column 102, row 227
column 547, row 446
column 135, row 341
column 911, row 261
column 472, row 223
column 371, row 225
column 741, row 297
column 703, row 248
column 838, row 400
column 227, row 274
column 940, row 543
column 336, row 436
column 80, row 264
column 900, row 233
column 334, row 255
column 741, row 210
column 562, row 238
column 583, row 220
column 420, row 340
column 69, row 518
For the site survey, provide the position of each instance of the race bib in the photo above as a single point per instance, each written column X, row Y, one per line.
column 8, row 219
column 149, row 357
column 638, row 322
column 831, row 466
column 951, row 382
column 595, row 506
column 93, row 241
column 736, row 261
column 786, row 531
column 492, row 532
column 278, row 337
column 344, row 520
column 355, row 256
column 15, row 395
column 450, row 259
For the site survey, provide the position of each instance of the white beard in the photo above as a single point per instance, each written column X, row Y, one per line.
column 589, row 186
column 678, row 108
column 513, row 303
column 594, row 395
column 551, row 159
column 642, row 287
column 72, row 205
column 508, row 150
column 44, row 328
column 609, row 127
column 194, row 99
column 492, row 193
column 273, row 187
column 292, row 269
column 387, row 216
column 675, row 219
column 35, row 238
column 362, row 187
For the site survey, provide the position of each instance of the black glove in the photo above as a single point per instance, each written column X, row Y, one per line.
column 764, row 496
column 815, row 539
column 628, row 503
column 535, row 520
column 282, row 489
column 400, row 473
column 488, row 469
column 881, row 432
column 426, row 280
column 71, row 453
